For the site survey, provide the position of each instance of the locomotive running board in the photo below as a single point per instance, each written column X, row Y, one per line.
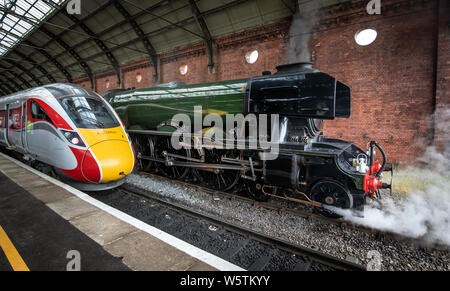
column 205, row 167
column 241, row 144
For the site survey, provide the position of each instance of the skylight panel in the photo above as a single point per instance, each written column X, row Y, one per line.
column 14, row 28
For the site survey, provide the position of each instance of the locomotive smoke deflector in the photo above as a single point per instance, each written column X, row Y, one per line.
column 298, row 90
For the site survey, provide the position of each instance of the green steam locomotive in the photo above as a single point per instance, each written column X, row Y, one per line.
column 306, row 167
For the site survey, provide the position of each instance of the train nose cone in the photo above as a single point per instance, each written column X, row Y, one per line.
column 116, row 159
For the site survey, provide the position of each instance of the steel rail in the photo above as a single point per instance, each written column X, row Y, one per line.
column 289, row 207
column 317, row 256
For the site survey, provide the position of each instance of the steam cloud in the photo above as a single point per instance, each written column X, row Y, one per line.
column 424, row 213
column 300, row 33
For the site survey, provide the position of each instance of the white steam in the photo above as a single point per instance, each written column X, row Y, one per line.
column 422, row 211
column 423, row 214
column 300, row 33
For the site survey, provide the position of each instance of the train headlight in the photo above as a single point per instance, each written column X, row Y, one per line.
column 73, row 138
column 75, row 141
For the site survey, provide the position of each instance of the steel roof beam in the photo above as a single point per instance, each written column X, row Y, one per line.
column 72, row 52
column 140, row 33
column 133, row 17
column 24, row 70
column 206, row 33
column 4, row 90
column 17, row 76
column 44, row 53
column 12, row 3
column 10, row 10
column 184, row 21
column 68, row 48
column 140, row 14
column 155, row 32
column 84, row 19
column 13, row 82
column 112, row 59
column 39, row 67
column 52, row 60
column 7, row 86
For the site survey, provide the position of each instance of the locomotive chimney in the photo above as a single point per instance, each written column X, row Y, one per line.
column 296, row 68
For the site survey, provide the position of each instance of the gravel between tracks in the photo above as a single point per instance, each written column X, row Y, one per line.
column 346, row 243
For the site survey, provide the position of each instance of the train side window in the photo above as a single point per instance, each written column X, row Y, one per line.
column 38, row 113
column 2, row 119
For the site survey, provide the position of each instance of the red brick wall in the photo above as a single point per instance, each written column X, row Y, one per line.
column 442, row 117
column 101, row 81
column 129, row 78
column 393, row 80
column 85, row 83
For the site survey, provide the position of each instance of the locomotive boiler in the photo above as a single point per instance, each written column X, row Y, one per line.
column 308, row 167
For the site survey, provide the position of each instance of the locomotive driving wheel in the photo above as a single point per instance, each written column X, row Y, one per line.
column 333, row 194
column 163, row 149
column 143, row 147
column 218, row 179
column 254, row 190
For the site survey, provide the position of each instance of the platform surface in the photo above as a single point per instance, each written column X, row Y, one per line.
column 43, row 238
column 44, row 221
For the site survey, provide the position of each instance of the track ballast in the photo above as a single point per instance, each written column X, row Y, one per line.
column 244, row 247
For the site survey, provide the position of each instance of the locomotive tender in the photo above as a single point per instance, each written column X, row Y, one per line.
column 310, row 168
column 68, row 131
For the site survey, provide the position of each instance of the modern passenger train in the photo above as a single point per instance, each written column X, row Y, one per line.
column 70, row 131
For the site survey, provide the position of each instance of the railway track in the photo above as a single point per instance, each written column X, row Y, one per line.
column 244, row 247
column 271, row 257
column 283, row 206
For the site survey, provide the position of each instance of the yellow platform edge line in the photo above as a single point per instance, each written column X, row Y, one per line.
column 13, row 256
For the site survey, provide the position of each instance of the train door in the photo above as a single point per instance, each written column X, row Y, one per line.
column 24, row 126
column 40, row 133
column 8, row 126
column 14, row 126
column 3, row 126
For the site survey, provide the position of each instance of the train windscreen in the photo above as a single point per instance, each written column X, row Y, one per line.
column 89, row 113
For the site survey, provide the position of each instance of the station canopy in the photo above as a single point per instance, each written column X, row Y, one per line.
column 18, row 18
column 42, row 41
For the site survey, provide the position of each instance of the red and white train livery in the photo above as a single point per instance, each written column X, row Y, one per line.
column 70, row 129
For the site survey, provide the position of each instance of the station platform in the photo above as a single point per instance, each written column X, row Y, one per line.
column 46, row 225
